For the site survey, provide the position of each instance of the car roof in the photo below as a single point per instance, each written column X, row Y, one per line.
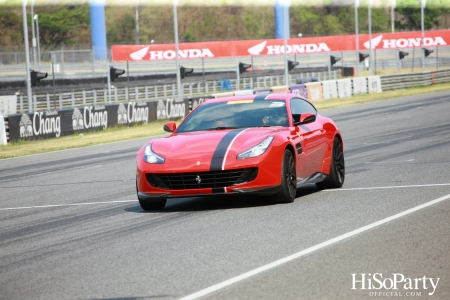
column 276, row 96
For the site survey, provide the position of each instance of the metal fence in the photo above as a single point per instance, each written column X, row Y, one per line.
column 81, row 63
column 75, row 98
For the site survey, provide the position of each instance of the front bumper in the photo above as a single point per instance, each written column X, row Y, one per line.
column 154, row 196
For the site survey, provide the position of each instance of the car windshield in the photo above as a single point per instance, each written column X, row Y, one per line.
column 236, row 114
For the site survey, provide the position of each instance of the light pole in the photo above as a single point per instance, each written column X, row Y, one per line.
column 33, row 37
column 356, row 37
column 175, row 23
column 422, row 6
column 285, row 33
column 370, row 39
column 393, row 16
column 38, row 44
column 27, row 54
column 137, row 22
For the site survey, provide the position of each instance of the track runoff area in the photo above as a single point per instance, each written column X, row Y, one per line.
column 384, row 234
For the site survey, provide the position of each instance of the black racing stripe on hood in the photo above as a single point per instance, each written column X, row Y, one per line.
column 219, row 153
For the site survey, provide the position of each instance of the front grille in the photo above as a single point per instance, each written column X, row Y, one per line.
column 213, row 179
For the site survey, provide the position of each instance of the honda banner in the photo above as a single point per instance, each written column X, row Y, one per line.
column 156, row 52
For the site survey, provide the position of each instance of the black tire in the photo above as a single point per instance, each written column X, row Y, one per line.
column 154, row 205
column 337, row 170
column 150, row 205
column 288, row 188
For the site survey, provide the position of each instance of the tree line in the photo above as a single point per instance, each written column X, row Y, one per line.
column 70, row 25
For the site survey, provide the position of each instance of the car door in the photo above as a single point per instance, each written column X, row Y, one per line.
column 311, row 138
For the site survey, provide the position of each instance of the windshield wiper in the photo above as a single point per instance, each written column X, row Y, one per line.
column 221, row 127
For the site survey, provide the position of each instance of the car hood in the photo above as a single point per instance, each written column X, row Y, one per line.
column 198, row 148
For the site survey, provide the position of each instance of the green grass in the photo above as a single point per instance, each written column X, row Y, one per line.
column 115, row 134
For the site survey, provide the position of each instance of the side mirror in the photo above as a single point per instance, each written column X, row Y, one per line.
column 170, row 126
column 296, row 118
column 305, row 118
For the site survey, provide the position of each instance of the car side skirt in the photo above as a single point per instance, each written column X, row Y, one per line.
column 314, row 178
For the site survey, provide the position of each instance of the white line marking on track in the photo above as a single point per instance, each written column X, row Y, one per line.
column 389, row 187
column 287, row 259
column 389, row 162
column 70, row 204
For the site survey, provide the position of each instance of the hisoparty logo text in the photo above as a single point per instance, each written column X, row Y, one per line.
column 396, row 284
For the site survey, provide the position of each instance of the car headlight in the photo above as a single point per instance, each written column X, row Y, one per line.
column 151, row 157
column 257, row 150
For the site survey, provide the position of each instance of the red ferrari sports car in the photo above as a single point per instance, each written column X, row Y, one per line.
column 266, row 144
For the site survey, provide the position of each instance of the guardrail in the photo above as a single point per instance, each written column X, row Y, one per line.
column 402, row 81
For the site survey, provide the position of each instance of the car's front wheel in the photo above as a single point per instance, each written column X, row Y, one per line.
column 288, row 188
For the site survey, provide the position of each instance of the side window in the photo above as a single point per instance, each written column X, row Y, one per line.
column 299, row 106
column 309, row 107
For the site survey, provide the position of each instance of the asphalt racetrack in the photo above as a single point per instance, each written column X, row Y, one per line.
column 71, row 226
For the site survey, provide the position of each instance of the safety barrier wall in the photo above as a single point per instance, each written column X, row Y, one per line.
column 56, row 123
column 401, row 81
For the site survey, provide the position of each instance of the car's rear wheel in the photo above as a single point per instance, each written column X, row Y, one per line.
column 337, row 170
column 150, row 205
column 288, row 188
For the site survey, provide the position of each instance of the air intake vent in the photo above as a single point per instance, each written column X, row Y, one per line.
column 200, row 180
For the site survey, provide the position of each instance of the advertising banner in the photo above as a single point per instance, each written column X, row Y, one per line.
column 243, row 92
column 223, row 95
column 314, row 91
column 344, row 87
column 53, row 124
column 298, row 89
column 359, row 85
column 280, row 89
column 8, row 105
column 3, row 139
column 374, row 84
column 329, row 89
column 196, row 101
column 170, row 109
column 309, row 45
column 262, row 91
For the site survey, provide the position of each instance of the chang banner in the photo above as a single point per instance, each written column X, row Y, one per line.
column 53, row 124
